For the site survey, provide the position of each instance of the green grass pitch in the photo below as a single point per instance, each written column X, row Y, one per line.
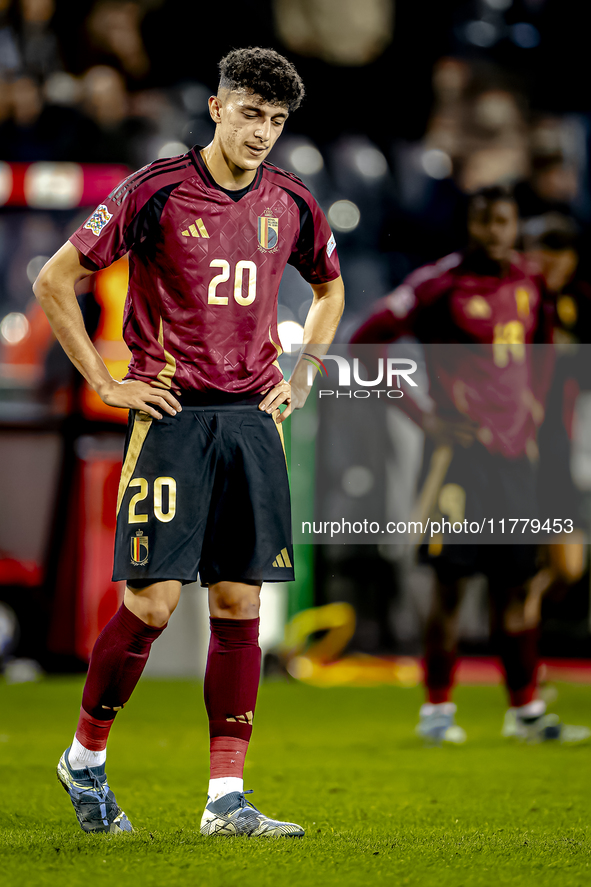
column 378, row 808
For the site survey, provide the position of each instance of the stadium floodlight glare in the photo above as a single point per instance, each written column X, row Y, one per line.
column 35, row 266
column 291, row 335
column 171, row 149
column 62, row 89
column 194, row 97
column 5, row 182
column 436, row 163
column 525, row 35
column 357, row 481
column 344, row 215
column 306, row 159
column 53, row 185
column 9, row 630
column 370, row 162
column 481, row 33
column 14, row 328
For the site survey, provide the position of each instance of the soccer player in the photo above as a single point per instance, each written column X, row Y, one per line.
column 204, row 481
column 488, row 407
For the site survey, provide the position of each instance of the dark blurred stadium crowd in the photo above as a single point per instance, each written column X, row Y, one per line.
column 408, row 110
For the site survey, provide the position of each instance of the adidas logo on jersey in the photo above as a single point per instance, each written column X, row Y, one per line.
column 195, row 230
column 282, row 559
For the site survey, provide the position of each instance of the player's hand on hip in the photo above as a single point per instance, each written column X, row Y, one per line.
column 135, row 395
column 280, row 394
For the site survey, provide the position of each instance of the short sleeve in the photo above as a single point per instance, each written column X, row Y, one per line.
column 112, row 229
column 315, row 253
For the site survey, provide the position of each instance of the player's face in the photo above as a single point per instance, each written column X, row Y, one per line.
column 493, row 228
column 247, row 127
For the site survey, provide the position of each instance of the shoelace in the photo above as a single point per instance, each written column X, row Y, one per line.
column 97, row 785
column 245, row 803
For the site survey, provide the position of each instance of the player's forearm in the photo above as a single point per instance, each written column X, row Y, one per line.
column 325, row 313
column 319, row 330
column 57, row 297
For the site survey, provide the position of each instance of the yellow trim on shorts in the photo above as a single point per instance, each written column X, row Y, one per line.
column 141, row 425
column 279, row 350
column 281, row 438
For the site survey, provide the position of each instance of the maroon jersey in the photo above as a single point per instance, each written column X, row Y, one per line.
column 498, row 385
column 205, row 267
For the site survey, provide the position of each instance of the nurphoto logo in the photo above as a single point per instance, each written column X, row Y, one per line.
column 391, row 371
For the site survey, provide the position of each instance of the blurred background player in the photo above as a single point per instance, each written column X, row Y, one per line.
column 488, row 406
column 209, row 235
column 552, row 243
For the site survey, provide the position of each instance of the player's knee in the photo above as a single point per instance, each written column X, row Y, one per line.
column 239, row 608
column 151, row 606
column 234, row 601
column 154, row 613
column 157, row 613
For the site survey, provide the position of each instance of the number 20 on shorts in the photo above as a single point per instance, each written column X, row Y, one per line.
column 144, row 488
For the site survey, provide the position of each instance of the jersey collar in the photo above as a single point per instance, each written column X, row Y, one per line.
column 201, row 167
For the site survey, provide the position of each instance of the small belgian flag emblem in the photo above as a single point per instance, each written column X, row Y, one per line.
column 268, row 232
column 139, row 549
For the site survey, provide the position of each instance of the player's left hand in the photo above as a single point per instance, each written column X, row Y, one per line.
column 273, row 399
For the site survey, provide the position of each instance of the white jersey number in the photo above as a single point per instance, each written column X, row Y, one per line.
column 240, row 296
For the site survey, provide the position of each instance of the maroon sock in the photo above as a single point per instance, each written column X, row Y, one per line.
column 231, row 685
column 439, row 663
column 439, row 667
column 519, row 655
column 118, row 659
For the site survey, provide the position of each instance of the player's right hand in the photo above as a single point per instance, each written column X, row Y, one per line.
column 132, row 394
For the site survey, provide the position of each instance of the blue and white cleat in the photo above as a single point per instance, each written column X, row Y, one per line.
column 548, row 728
column 437, row 724
column 93, row 801
column 509, row 728
column 233, row 815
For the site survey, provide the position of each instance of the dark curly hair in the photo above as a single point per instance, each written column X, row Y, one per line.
column 486, row 196
column 266, row 73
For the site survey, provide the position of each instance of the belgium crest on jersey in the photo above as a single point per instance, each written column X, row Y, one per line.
column 268, row 231
column 139, row 549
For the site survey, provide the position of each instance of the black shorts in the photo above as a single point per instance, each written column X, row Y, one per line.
column 481, row 487
column 506, row 566
column 205, row 491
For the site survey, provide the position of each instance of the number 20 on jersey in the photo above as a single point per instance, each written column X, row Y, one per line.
column 245, row 278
